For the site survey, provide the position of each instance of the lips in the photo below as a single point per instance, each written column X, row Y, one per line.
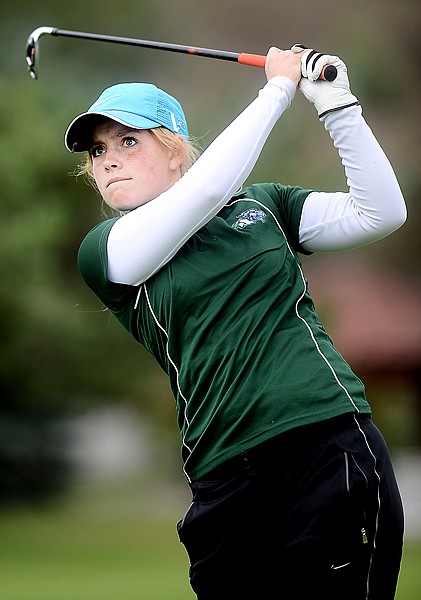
column 116, row 180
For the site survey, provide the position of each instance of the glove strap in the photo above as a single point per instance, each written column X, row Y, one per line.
column 323, row 114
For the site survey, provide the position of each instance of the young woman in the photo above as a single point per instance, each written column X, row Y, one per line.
column 294, row 495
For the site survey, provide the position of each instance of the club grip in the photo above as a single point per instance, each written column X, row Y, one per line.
column 253, row 60
column 329, row 72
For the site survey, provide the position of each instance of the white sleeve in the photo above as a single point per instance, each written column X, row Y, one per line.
column 372, row 208
column 144, row 240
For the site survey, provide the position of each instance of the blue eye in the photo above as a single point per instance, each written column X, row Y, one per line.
column 129, row 141
column 96, row 151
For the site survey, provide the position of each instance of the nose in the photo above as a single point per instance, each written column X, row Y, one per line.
column 112, row 160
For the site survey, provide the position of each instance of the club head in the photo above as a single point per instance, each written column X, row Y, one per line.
column 32, row 48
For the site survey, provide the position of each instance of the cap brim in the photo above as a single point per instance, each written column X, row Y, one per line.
column 78, row 137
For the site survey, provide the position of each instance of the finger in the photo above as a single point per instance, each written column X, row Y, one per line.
column 274, row 50
column 298, row 48
column 315, row 61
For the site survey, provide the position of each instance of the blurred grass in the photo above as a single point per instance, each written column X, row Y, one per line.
column 409, row 587
column 65, row 554
column 56, row 555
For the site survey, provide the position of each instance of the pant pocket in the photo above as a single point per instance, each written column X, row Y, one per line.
column 352, row 535
column 210, row 530
column 205, row 542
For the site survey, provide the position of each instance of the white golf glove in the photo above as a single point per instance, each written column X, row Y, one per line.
column 326, row 96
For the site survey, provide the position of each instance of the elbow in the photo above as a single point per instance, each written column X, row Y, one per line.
column 399, row 215
column 403, row 214
column 381, row 223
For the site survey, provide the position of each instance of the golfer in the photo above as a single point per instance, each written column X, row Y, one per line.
column 294, row 495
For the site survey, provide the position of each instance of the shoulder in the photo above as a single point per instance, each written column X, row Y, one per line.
column 284, row 203
column 92, row 255
column 273, row 192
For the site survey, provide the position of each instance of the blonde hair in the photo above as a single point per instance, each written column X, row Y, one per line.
column 189, row 150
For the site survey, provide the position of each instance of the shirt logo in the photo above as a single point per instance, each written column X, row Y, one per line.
column 249, row 217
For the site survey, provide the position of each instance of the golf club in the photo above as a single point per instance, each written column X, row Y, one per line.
column 329, row 72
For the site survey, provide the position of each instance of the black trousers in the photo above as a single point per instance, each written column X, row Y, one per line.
column 312, row 514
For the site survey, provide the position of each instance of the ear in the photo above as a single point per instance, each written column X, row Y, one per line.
column 178, row 153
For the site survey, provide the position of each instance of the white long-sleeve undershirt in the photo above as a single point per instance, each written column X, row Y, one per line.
column 374, row 206
column 144, row 240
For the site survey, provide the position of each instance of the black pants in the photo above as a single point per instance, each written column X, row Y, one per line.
column 312, row 514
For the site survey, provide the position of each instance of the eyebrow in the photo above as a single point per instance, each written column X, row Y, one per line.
column 125, row 130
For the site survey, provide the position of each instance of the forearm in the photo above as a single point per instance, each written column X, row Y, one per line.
column 141, row 242
column 372, row 208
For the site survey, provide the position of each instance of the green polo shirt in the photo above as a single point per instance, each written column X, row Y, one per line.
column 230, row 320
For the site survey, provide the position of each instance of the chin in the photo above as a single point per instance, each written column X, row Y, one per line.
column 127, row 204
column 124, row 206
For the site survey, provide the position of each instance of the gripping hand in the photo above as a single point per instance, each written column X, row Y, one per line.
column 326, row 96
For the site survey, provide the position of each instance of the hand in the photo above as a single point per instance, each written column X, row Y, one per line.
column 326, row 96
column 283, row 62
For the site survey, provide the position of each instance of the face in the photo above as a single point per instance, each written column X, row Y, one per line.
column 130, row 166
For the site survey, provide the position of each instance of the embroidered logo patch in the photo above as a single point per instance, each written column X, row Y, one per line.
column 249, row 217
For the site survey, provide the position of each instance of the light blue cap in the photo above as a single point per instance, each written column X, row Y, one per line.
column 136, row 105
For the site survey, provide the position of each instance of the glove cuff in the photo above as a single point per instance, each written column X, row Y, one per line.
column 326, row 112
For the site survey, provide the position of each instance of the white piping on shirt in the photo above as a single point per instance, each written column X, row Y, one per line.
column 176, row 371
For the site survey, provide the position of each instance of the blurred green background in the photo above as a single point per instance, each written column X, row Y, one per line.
column 90, row 476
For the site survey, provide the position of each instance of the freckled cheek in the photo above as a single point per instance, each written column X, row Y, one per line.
column 148, row 170
column 97, row 177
